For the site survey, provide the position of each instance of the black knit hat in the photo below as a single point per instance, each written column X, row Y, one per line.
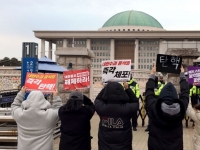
column 168, row 94
column 75, row 95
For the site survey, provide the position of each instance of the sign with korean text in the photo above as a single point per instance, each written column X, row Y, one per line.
column 194, row 75
column 168, row 63
column 116, row 70
column 28, row 65
column 41, row 82
column 76, row 79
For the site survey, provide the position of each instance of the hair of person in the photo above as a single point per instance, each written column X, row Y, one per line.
column 197, row 106
column 74, row 104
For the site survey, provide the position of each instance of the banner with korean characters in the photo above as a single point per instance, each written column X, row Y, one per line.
column 168, row 63
column 76, row 79
column 194, row 75
column 116, row 70
column 42, row 82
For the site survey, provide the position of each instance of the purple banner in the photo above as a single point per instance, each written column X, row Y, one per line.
column 194, row 75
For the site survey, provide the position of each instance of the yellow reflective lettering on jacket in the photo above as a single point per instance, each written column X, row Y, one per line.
column 135, row 90
column 134, row 87
column 157, row 93
column 194, row 90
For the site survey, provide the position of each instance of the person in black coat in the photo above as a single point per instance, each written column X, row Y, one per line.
column 75, row 118
column 115, row 108
column 168, row 111
column 146, row 107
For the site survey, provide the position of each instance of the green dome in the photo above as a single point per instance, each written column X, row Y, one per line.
column 132, row 18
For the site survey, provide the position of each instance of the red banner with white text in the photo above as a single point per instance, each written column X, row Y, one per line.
column 41, row 82
column 76, row 79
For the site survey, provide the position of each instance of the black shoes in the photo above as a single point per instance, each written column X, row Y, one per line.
column 147, row 129
column 134, row 129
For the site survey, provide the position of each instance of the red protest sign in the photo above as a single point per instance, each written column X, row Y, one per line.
column 41, row 82
column 76, row 79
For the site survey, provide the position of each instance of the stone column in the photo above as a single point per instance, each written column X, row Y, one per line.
column 81, row 59
column 50, row 50
column 91, row 84
column 42, row 47
column 112, row 49
column 136, row 55
column 160, row 47
column 54, row 54
column 64, row 42
column 88, row 44
column 184, row 42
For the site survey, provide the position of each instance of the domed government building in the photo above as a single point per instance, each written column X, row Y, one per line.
column 130, row 34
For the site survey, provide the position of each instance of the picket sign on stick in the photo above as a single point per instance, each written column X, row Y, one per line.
column 116, row 70
column 42, row 82
column 76, row 79
column 168, row 63
column 194, row 75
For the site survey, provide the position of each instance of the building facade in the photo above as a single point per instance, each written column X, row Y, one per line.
column 127, row 35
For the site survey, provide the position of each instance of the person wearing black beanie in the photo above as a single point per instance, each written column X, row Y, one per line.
column 168, row 111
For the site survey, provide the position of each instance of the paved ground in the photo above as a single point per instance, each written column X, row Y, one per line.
column 139, row 137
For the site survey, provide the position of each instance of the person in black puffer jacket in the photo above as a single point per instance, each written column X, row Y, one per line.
column 75, row 118
column 115, row 108
column 168, row 111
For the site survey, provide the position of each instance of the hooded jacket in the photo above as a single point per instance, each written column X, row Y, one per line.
column 168, row 111
column 195, row 115
column 115, row 109
column 36, row 120
column 75, row 124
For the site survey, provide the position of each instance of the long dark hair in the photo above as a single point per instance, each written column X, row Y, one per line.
column 197, row 106
column 74, row 104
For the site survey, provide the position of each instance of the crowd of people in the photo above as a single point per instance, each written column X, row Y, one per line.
column 116, row 105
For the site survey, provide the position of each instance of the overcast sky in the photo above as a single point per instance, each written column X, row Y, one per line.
column 19, row 18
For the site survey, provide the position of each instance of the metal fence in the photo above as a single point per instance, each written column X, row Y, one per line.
column 7, row 97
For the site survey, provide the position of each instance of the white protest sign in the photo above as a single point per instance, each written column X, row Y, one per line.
column 116, row 70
